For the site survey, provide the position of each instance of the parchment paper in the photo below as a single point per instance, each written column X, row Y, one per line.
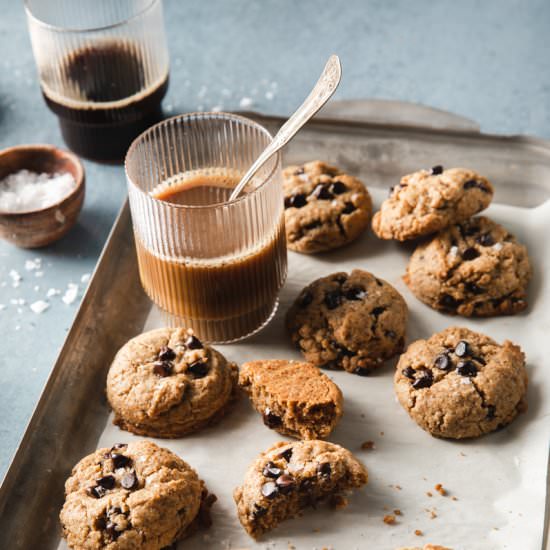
column 499, row 480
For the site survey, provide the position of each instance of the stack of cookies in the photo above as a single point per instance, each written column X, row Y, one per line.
column 454, row 384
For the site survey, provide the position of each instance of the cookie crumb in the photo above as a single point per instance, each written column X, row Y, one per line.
column 338, row 502
column 368, row 445
column 441, row 490
column 382, row 434
column 428, row 493
column 418, row 533
column 398, row 487
column 397, row 512
column 389, row 519
column 454, row 498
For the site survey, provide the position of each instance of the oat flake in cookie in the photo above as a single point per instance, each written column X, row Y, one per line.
column 460, row 383
column 324, row 208
column 475, row 268
column 166, row 383
column 294, row 398
column 430, row 200
column 132, row 496
column 352, row 322
column 289, row 477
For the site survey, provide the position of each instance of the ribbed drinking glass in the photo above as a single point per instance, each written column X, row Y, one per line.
column 216, row 265
column 103, row 69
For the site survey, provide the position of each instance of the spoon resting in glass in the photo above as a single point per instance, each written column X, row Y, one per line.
column 321, row 93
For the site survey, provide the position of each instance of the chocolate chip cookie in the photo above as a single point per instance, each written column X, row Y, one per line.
column 324, row 208
column 352, row 322
column 166, row 383
column 461, row 383
column 475, row 268
column 293, row 397
column 430, row 200
column 289, row 477
column 138, row 495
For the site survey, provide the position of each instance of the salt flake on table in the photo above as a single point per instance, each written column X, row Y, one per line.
column 269, row 95
column 31, row 265
column 217, row 108
column 70, row 294
column 246, row 102
column 85, row 278
column 38, row 273
column 53, row 292
column 15, row 277
column 2, row 306
column 39, row 306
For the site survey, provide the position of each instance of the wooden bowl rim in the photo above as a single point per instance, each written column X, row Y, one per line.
column 53, row 150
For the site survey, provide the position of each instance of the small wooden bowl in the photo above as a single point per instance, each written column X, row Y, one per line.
column 35, row 228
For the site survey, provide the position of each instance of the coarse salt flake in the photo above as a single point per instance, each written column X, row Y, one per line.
column 2, row 306
column 454, row 250
column 25, row 190
column 39, row 306
column 497, row 246
column 31, row 265
column 85, row 278
column 53, row 292
column 38, row 273
column 269, row 95
column 70, row 294
column 15, row 277
column 246, row 102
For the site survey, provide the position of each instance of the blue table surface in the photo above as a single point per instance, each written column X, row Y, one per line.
column 487, row 60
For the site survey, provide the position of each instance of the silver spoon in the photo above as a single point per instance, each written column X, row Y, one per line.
column 321, row 93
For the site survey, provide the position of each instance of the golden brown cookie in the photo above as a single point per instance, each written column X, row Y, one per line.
column 348, row 321
column 430, row 200
column 289, row 477
column 166, row 383
column 475, row 268
column 138, row 495
column 294, row 398
column 460, row 383
column 324, row 208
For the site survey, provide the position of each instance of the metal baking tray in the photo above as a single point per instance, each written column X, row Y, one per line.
column 72, row 411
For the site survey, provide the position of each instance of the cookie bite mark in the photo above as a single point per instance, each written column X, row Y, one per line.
column 138, row 495
column 166, row 383
column 289, row 477
column 474, row 269
column 430, row 200
column 294, row 398
column 461, row 384
column 352, row 322
column 324, row 208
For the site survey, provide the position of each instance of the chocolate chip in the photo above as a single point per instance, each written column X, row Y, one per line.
column 443, row 362
column 120, row 460
column 486, row 239
column 162, row 368
column 491, row 410
column 312, row 225
column 112, row 531
column 473, row 184
column 355, row 293
column 480, row 360
column 408, row 372
column 306, row 484
column 269, row 489
column 199, row 369
column 321, row 192
column 379, row 282
column 390, row 334
column 324, row 470
column 468, row 229
column 424, row 381
column 333, row 299
column 107, row 482
column 97, row 491
column 448, row 302
column 378, row 310
column 166, row 354
column 285, row 483
column 338, row 187
column 270, row 470
column 193, row 342
column 473, row 288
column 129, row 480
column 286, row 454
column 390, row 192
column 258, row 512
column 305, row 299
column 436, row 170
column 462, row 349
column 362, row 371
column 342, row 350
column 466, row 368
column 470, row 254
column 271, row 420
column 296, row 201
column 349, row 207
